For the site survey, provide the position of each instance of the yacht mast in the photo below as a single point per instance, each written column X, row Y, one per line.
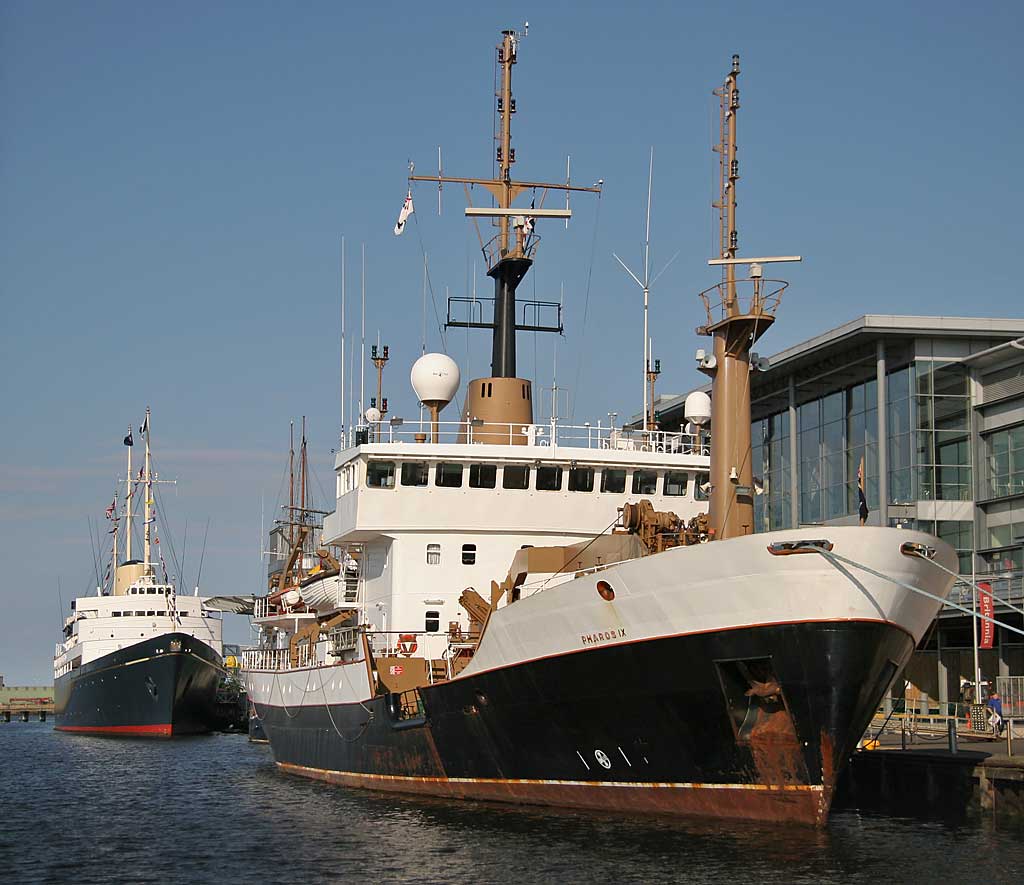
column 128, row 441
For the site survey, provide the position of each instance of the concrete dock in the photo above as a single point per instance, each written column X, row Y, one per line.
column 982, row 778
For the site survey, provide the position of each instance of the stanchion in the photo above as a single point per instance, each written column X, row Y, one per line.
column 951, row 731
column 1009, row 737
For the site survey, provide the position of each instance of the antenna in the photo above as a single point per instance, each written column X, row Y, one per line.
column 343, row 415
column 645, row 283
column 362, row 346
column 202, row 557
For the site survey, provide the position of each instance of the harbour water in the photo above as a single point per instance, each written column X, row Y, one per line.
column 214, row 809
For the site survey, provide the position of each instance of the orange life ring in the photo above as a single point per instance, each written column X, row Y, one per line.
column 407, row 644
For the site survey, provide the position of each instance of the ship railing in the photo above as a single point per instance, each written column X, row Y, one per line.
column 928, row 720
column 752, row 296
column 343, row 640
column 266, row 659
column 551, row 434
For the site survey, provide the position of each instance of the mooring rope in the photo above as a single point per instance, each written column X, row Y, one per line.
column 835, row 557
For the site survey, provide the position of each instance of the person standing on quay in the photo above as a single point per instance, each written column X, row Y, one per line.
column 995, row 704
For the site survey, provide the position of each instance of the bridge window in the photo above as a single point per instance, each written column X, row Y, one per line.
column 433, row 554
column 699, row 483
column 515, row 476
column 449, row 476
column 468, row 554
column 549, row 478
column 581, row 479
column 414, row 473
column 645, row 482
column 675, row 483
column 613, row 480
column 482, row 476
column 432, row 622
column 380, row 474
column 116, row 614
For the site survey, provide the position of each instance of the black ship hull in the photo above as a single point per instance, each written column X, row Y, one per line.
column 161, row 687
column 752, row 722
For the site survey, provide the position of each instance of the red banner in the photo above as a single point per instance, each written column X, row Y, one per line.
column 988, row 610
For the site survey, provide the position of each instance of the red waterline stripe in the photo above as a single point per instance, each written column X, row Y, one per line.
column 159, row 730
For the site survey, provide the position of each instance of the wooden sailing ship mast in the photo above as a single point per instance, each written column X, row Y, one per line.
column 504, row 398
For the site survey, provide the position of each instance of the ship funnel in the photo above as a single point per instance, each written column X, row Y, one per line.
column 435, row 378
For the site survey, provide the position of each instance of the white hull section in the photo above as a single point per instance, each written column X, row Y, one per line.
column 723, row 585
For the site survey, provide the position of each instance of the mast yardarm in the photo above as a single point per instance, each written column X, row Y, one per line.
column 510, row 253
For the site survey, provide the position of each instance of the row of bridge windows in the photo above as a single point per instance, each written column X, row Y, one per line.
column 543, row 478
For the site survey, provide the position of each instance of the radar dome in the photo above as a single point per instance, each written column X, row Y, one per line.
column 698, row 408
column 373, row 414
column 435, row 378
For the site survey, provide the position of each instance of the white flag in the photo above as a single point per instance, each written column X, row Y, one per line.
column 403, row 216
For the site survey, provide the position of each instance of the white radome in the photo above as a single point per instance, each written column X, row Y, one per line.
column 435, row 377
column 697, row 408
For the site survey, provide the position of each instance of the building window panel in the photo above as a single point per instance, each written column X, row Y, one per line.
column 433, row 554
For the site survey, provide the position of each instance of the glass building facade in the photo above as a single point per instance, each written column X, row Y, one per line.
column 930, row 411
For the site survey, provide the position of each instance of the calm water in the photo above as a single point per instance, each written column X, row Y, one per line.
column 214, row 809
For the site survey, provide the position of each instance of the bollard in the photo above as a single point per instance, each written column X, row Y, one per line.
column 951, row 731
column 903, row 734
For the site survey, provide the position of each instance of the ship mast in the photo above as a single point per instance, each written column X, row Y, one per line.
column 148, row 503
column 509, row 256
column 735, row 323
column 128, row 502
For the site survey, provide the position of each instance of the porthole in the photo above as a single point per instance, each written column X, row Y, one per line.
column 605, row 591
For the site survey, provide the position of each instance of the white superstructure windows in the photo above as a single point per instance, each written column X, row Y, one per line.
column 675, row 483
column 415, row 473
column 549, row 478
column 433, row 554
column 581, row 479
column 515, row 476
column 613, row 480
column 448, row 476
column 380, row 474
column 469, row 554
column 483, row 476
column 701, row 486
column 645, row 482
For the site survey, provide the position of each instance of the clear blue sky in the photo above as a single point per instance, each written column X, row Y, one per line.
column 175, row 180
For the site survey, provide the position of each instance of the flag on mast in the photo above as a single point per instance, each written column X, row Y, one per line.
column 128, row 441
column 144, row 427
column 403, row 216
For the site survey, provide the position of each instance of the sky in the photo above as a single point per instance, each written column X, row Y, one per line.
column 176, row 181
